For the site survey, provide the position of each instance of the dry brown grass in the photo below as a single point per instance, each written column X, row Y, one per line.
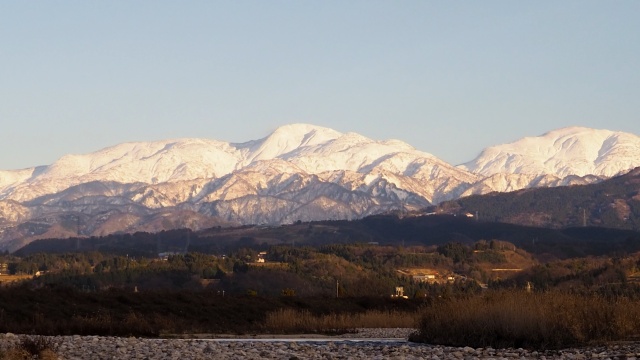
column 20, row 354
column 303, row 321
column 28, row 348
column 520, row 319
column 15, row 354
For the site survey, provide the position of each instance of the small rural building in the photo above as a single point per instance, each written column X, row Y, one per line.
column 399, row 293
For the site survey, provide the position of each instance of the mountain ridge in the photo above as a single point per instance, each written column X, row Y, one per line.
column 568, row 151
column 612, row 203
column 298, row 172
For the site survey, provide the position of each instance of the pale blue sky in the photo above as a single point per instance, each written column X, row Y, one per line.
column 448, row 77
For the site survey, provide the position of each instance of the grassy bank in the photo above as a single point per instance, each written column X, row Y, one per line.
column 531, row 320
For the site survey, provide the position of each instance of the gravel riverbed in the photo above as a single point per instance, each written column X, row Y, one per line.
column 366, row 344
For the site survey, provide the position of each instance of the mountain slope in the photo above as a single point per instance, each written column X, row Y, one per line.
column 564, row 152
column 312, row 149
column 613, row 203
column 298, row 172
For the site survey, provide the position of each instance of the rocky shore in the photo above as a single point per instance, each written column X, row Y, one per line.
column 366, row 344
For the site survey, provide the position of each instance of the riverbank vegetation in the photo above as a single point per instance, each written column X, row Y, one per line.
column 552, row 319
column 61, row 310
column 467, row 294
column 291, row 321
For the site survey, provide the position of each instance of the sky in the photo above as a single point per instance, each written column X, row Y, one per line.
column 448, row 77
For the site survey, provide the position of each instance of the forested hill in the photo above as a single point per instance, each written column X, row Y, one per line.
column 381, row 229
column 614, row 203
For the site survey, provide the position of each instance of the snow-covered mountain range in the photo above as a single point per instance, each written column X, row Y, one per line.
column 298, row 172
column 564, row 152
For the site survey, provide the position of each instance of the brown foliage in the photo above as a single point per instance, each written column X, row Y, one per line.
column 296, row 321
column 535, row 320
column 32, row 347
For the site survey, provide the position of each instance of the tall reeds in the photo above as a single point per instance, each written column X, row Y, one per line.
column 534, row 320
column 289, row 320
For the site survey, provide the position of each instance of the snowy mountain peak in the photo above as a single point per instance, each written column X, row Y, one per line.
column 293, row 148
column 298, row 172
column 570, row 131
column 288, row 138
column 569, row 151
column 302, row 130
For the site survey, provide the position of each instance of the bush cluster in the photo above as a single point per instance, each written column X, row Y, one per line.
column 288, row 320
column 31, row 347
column 531, row 320
column 117, row 312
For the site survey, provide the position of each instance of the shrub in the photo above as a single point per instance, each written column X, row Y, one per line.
column 534, row 320
column 34, row 347
column 295, row 321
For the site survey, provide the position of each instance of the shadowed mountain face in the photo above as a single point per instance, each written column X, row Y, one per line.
column 613, row 203
column 299, row 172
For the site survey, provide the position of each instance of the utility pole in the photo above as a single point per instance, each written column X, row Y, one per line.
column 77, row 232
